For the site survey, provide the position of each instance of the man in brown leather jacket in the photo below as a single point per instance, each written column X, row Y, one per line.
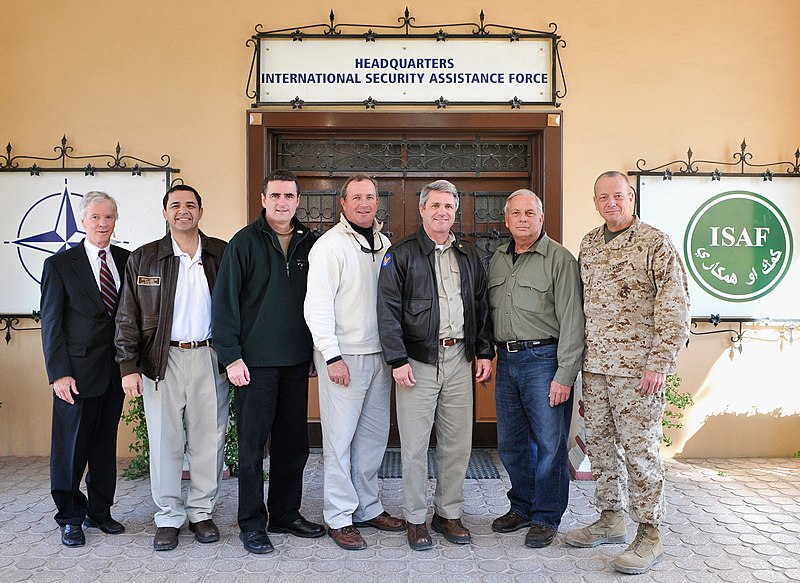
column 164, row 350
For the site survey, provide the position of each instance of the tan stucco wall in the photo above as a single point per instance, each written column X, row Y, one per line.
column 645, row 79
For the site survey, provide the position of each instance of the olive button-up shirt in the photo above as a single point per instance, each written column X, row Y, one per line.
column 539, row 297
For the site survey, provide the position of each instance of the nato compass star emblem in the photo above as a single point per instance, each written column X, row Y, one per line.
column 50, row 225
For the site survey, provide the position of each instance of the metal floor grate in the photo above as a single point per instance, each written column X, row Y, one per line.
column 481, row 465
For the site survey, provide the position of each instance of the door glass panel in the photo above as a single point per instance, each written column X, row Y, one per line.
column 403, row 155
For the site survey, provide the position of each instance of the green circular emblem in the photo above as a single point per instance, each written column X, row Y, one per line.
column 738, row 246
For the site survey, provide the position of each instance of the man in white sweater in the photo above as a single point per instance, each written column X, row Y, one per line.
column 354, row 380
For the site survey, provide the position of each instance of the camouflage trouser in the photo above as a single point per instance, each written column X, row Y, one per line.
column 623, row 436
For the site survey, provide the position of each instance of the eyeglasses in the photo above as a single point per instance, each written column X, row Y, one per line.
column 373, row 251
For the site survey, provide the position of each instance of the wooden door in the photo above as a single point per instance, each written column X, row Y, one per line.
column 404, row 152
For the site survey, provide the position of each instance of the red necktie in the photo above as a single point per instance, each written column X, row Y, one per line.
column 107, row 287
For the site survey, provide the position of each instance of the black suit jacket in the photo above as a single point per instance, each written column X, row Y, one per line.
column 77, row 332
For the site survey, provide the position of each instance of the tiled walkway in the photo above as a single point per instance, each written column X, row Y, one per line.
column 729, row 520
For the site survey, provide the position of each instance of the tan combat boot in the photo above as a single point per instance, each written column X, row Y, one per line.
column 644, row 552
column 609, row 529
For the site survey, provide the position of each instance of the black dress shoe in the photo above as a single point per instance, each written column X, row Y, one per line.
column 510, row 522
column 540, row 536
column 108, row 526
column 256, row 541
column 72, row 535
column 299, row 527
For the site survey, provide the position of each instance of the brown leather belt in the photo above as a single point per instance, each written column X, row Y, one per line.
column 190, row 345
column 518, row 345
column 448, row 342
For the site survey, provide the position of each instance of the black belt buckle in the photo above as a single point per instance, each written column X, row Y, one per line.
column 514, row 343
column 520, row 345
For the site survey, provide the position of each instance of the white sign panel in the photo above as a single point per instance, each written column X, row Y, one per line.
column 41, row 216
column 406, row 71
column 736, row 237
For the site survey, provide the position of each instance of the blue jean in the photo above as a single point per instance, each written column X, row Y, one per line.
column 532, row 435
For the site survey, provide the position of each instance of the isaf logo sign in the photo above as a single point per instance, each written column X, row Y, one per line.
column 736, row 236
column 738, row 246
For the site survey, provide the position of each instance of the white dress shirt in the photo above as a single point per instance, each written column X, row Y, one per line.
column 94, row 261
column 191, row 316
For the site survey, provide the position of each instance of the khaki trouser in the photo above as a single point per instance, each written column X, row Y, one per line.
column 442, row 395
column 194, row 396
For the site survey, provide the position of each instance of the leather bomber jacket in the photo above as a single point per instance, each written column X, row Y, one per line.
column 147, row 301
column 408, row 302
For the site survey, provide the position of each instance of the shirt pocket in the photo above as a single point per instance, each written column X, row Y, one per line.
column 532, row 294
column 495, row 287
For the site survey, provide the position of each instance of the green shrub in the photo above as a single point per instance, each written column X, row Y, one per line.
column 676, row 403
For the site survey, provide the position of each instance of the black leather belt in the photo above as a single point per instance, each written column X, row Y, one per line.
column 517, row 345
column 190, row 345
column 448, row 342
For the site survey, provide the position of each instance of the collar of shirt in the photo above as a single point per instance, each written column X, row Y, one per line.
column 93, row 251
column 180, row 253
column 451, row 238
column 538, row 245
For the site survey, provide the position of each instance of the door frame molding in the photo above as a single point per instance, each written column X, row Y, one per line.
column 546, row 127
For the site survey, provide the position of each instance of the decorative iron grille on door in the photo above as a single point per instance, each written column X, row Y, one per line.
column 406, row 156
column 490, row 231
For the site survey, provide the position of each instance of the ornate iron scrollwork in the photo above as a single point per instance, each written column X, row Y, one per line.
column 9, row 322
column 742, row 159
column 404, row 155
column 64, row 151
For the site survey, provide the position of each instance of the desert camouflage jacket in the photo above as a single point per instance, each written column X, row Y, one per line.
column 636, row 301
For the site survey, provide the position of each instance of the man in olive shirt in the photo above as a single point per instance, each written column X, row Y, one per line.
column 536, row 305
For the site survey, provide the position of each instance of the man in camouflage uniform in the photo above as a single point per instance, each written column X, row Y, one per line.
column 636, row 303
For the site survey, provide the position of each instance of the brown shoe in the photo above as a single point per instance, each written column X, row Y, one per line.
column 418, row 537
column 452, row 529
column 348, row 538
column 384, row 521
column 166, row 538
column 510, row 522
column 205, row 531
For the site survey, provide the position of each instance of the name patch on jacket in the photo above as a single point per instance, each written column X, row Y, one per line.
column 148, row 280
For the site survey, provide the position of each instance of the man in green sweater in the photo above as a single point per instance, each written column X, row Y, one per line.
column 263, row 341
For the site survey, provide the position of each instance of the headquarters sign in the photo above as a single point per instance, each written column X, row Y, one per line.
column 408, row 71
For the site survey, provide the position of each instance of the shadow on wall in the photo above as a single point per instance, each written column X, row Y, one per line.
column 748, row 435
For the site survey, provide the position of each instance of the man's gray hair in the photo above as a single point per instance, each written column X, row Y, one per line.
column 94, row 196
column 438, row 186
column 523, row 192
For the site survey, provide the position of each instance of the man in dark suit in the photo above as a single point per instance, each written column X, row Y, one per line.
column 80, row 287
